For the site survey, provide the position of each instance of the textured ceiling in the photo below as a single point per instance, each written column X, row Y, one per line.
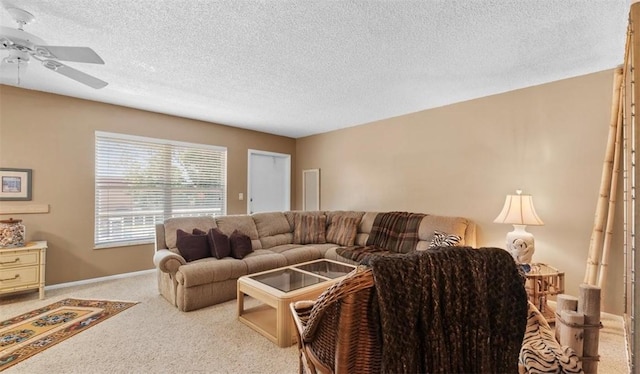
column 302, row 67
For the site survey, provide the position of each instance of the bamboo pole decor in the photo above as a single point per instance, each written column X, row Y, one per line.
column 606, row 247
column 595, row 245
column 608, row 236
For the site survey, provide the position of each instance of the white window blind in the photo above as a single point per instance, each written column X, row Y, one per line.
column 143, row 181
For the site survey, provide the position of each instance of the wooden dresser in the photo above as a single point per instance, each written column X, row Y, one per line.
column 22, row 268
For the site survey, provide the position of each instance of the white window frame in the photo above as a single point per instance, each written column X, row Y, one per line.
column 150, row 218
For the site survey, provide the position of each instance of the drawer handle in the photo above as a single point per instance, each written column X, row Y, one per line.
column 10, row 279
column 10, row 262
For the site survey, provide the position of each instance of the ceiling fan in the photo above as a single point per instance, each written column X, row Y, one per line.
column 23, row 46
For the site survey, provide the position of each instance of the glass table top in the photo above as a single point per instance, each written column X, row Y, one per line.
column 288, row 279
column 327, row 269
column 297, row 277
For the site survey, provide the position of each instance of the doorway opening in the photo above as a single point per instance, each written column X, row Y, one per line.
column 269, row 182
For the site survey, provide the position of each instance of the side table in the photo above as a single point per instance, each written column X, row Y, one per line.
column 22, row 268
column 544, row 281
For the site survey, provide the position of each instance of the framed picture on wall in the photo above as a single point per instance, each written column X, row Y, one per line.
column 15, row 184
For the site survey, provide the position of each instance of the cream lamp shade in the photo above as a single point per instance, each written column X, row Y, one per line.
column 518, row 210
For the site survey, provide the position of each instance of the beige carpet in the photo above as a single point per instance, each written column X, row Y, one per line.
column 154, row 337
column 28, row 334
column 612, row 348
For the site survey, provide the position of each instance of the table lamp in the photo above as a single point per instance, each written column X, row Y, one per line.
column 518, row 210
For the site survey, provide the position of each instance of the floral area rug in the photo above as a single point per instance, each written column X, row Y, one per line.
column 28, row 334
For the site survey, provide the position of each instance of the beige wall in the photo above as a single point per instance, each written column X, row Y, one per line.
column 54, row 136
column 463, row 159
column 459, row 160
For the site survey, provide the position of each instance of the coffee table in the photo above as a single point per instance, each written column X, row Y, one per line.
column 276, row 288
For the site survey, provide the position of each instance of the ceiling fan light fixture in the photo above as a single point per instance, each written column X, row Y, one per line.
column 21, row 16
column 13, row 66
column 17, row 57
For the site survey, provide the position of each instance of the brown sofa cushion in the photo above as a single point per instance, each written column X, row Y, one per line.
column 242, row 223
column 292, row 214
column 218, row 243
column 171, row 226
column 273, row 229
column 365, row 227
column 309, row 229
column 271, row 223
column 333, row 214
column 343, row 230
column 240, row 244
column 192, row 246
column 450, row 225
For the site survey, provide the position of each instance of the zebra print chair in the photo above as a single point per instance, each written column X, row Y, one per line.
column 541, row 352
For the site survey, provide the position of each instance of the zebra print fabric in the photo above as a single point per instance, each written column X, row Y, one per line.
column 443, row 239
column 541, row 353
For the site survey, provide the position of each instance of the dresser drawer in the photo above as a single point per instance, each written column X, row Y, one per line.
column 23, row 268
column 18, row 277
column 15, row 259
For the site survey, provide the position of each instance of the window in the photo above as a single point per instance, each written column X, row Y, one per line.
column 143, row 181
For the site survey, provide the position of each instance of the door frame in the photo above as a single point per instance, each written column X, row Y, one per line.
column 311, row 177
column 287, row 159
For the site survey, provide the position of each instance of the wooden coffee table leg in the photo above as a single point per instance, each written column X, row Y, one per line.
column 240, row 302
column 283, row 321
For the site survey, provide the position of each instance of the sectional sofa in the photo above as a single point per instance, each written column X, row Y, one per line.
column 276, row 239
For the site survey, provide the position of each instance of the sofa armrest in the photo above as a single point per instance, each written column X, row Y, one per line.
column 168, row 261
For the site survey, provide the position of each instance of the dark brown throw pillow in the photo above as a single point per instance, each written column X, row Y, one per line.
column 219, row 243
column 192, row 247
column 309, row 229
column 343, row 230
column 240, row 244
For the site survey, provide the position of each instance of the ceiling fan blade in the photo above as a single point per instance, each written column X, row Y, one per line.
column 75, row 54
column 74, row 74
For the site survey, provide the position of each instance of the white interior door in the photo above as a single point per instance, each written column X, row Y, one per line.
column 269, row 184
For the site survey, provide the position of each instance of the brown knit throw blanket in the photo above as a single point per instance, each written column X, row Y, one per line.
column 360, row 254
column 450, row 310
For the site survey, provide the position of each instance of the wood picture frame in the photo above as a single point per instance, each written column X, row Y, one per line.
column 15, row 184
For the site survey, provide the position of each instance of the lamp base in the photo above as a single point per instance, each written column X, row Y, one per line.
column 520, row 244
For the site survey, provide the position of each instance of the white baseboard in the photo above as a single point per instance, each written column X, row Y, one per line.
column 100, row 279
